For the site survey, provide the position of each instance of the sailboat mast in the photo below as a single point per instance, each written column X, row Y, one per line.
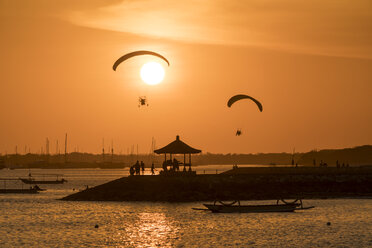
column 112, row 151
column 66, row 148
column 103, row 150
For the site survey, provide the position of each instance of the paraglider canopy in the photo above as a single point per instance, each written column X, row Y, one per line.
column 137, row 53
column 148, row 79
column 236, row 98
column 239, row 97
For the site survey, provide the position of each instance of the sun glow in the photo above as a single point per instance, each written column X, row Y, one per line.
column 152, row 73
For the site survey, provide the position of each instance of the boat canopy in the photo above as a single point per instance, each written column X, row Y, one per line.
column 177, row 147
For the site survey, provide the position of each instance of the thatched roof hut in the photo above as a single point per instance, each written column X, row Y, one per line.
column 177, row 147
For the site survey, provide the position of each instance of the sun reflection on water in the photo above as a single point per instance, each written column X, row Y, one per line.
column 147, row 230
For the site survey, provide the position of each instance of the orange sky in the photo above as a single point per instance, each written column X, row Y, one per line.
column 310, row 64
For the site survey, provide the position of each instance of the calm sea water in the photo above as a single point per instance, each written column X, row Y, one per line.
column 43, row 221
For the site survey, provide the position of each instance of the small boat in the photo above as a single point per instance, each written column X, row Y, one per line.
column 236, row 207
column 33, row 181
column 32, row 190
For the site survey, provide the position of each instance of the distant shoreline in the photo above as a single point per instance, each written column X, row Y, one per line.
column 126, row 167
column 357, row 156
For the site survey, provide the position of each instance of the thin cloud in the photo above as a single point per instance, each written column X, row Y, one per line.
column 335, row 28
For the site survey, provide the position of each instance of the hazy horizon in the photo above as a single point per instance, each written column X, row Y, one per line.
column 133, row 151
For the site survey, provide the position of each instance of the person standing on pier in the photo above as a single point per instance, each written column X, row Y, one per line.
column 143, row 167
column 152, row 169
column 175, row 165
column 137, row 167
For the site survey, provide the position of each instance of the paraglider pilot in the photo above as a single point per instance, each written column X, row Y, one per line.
column 238, row 132
column 142, row 102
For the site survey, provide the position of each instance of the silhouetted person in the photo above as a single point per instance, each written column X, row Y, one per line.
column 152, row 169
column 37, row 188
column 314, row 162
column 165, row 166
column 337, row 164
column 131, row 170
column 175, row 165
column 142, row 101
column 143, row 167
column 137, row 167
column 343, row 165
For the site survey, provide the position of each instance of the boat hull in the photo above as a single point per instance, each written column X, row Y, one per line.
column 216, row 208
column 19, row 191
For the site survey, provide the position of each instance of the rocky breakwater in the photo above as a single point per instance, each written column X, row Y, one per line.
column 235, row 184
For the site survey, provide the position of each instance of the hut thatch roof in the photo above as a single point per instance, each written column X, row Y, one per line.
column 177, row 147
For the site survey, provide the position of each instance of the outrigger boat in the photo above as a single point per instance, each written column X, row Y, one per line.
column 31, row 180
column 236, row 207
column 32, row 190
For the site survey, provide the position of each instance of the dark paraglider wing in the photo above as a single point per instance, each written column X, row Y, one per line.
column 136, row 53
column 236, row 98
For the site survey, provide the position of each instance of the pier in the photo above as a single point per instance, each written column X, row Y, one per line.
column 241, row 183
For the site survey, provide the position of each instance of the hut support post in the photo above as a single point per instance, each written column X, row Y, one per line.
column 165, row 161
column 189, row 161
column 184, row 162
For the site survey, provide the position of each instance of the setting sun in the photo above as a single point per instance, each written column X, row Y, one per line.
column 152, row 73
